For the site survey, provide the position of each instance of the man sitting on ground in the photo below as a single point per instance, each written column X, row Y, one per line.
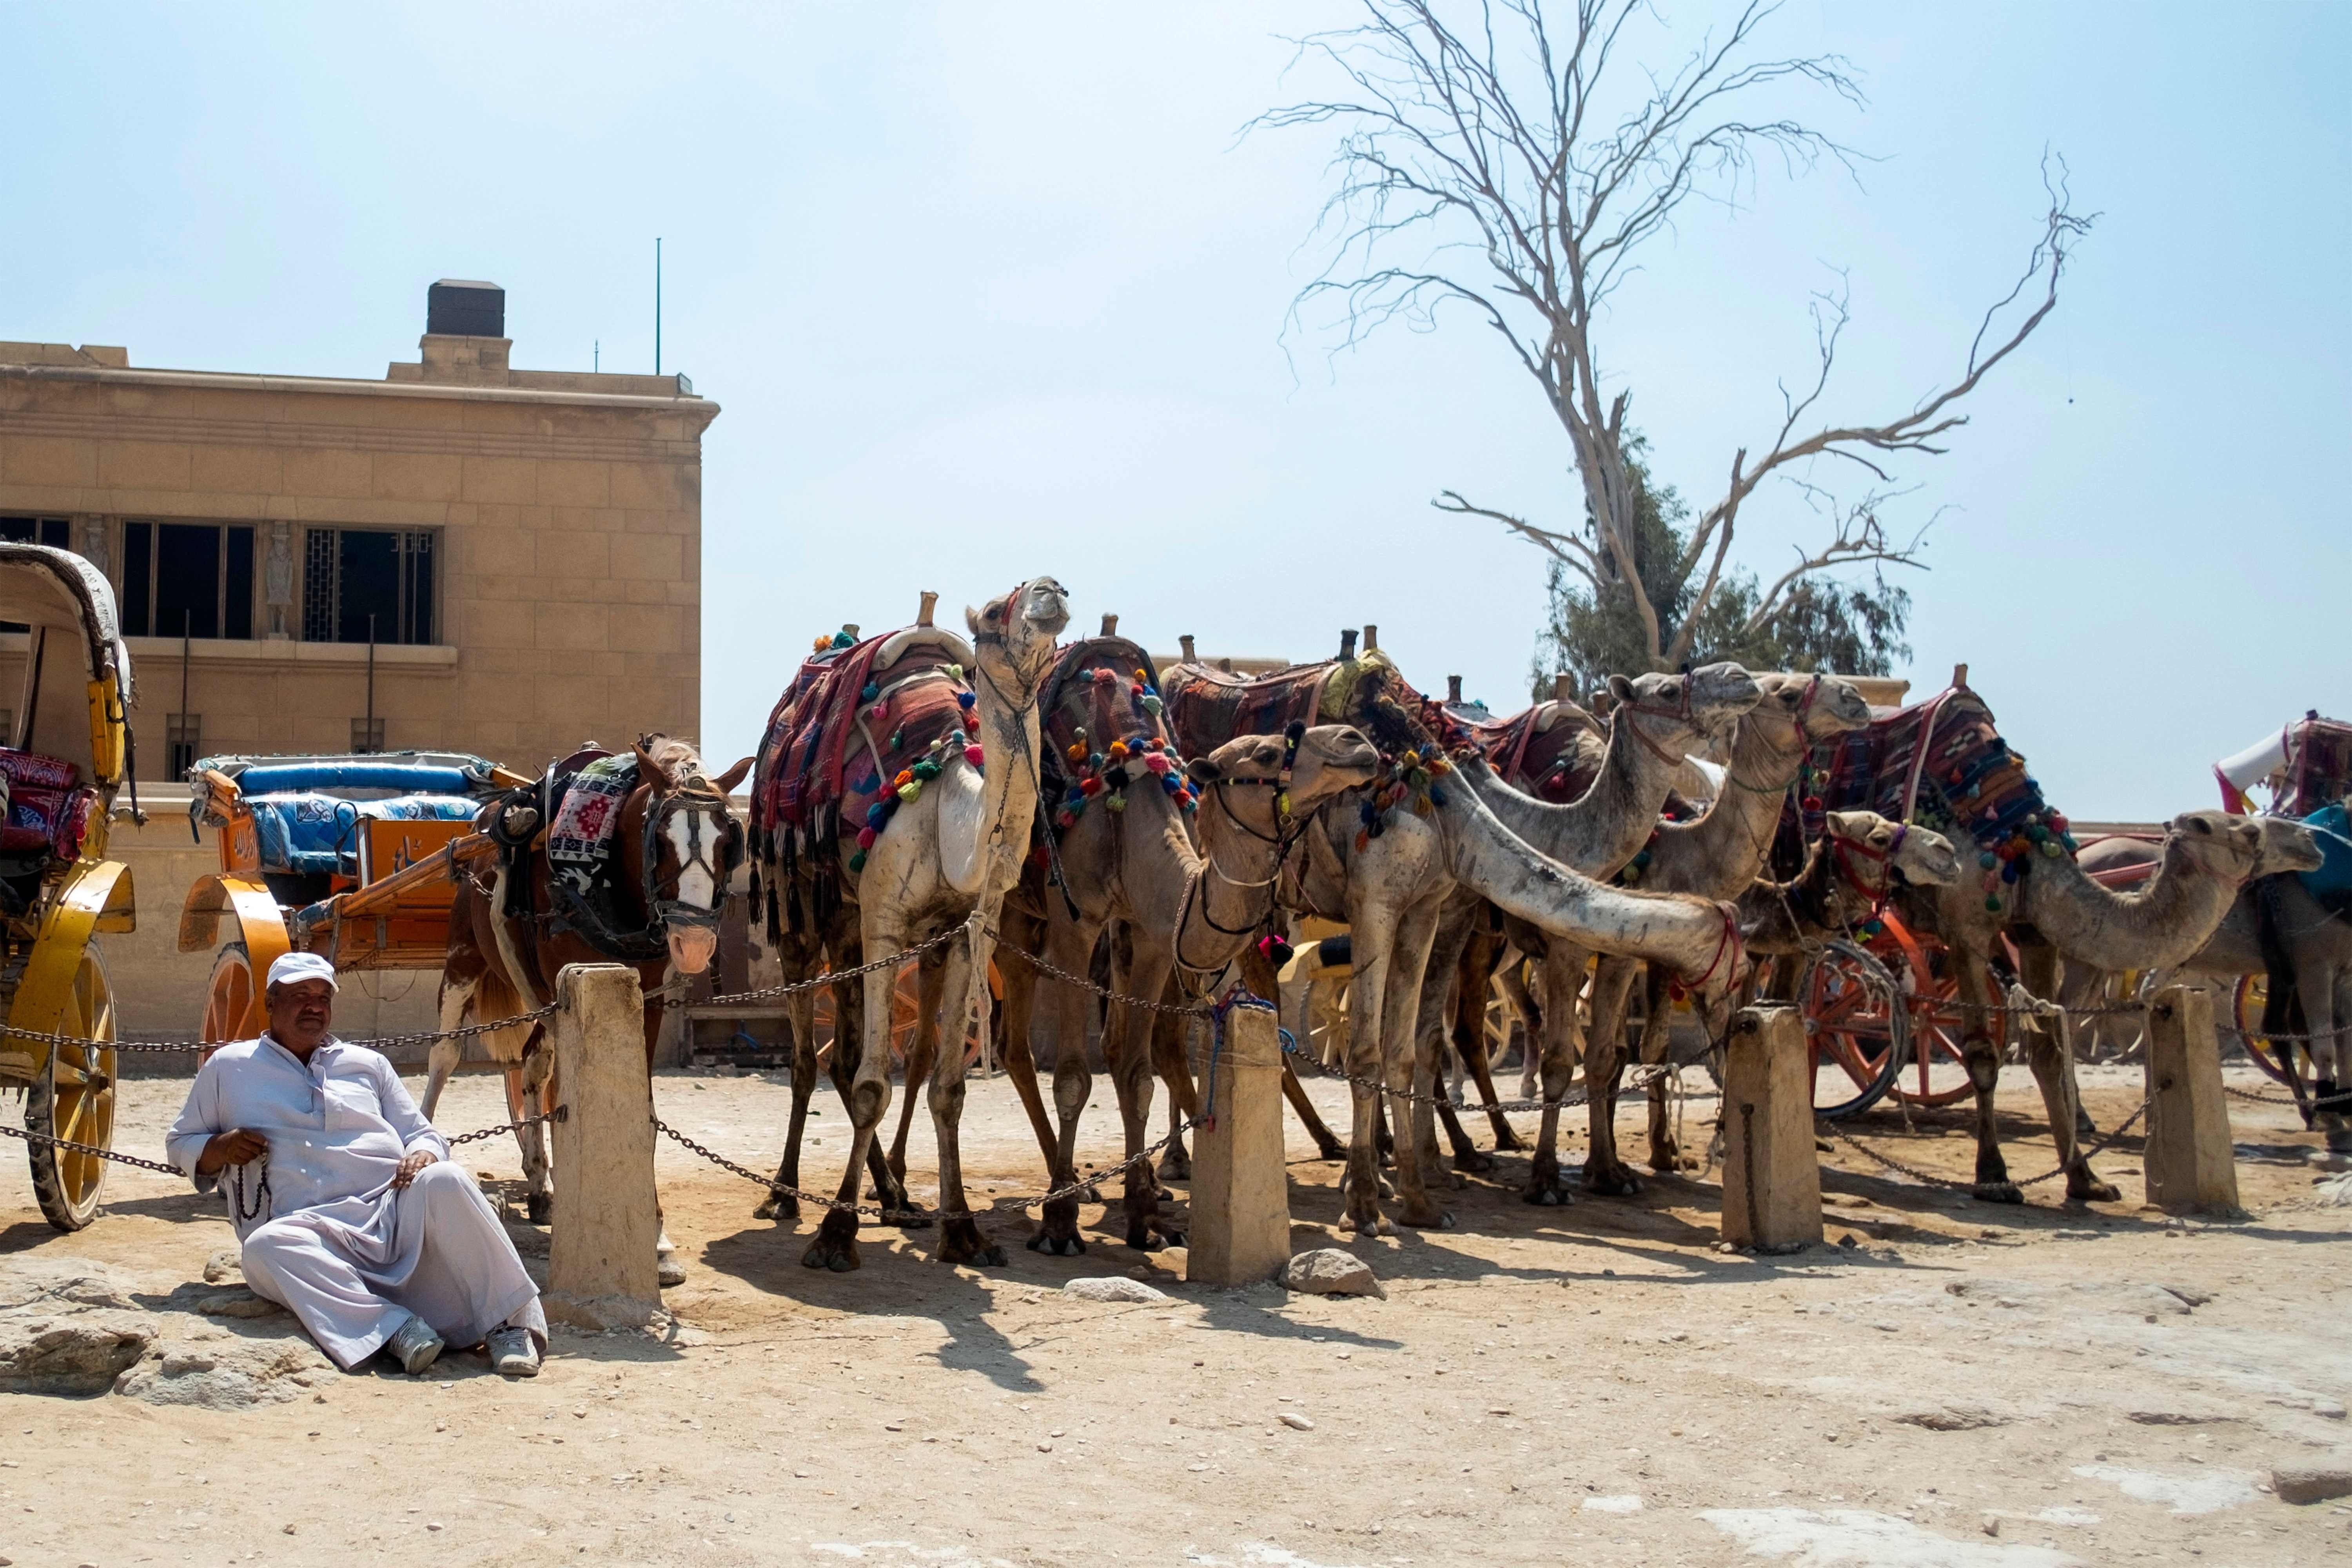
column 351, row 1214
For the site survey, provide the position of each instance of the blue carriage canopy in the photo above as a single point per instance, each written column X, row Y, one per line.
column 306, row 809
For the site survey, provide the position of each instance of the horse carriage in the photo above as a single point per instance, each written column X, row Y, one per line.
column 355, row 858
column 65, row 756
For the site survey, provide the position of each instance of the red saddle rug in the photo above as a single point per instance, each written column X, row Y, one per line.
column 859, row 731
column 1536, row 750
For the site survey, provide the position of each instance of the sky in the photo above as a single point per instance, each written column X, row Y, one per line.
column 986, row 292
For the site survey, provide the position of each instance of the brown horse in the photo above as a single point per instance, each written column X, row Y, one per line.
column 674, row 850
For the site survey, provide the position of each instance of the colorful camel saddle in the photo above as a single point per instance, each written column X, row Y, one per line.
column 1106, row 731
column 1942, row 765
column 1413, row 734
column 1538, row 750
column 862, row 727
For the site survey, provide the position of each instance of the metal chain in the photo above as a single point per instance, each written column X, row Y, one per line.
column 29, row 1136
column 381, row 1042
column 560, row 1114
column 833, row 976
column 1055, row 971
column 2248, row 1094
column 1890, row 1163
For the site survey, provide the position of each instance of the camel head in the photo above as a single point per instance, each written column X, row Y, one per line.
column 692, row 846
column 1012, row 635
column 2288, row 846
column 1246, row 772
column 1825, row 706
column 2220, row 845
column 1677, row 714
column 1925, row 858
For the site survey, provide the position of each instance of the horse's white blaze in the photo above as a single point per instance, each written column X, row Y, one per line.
column 695, row 886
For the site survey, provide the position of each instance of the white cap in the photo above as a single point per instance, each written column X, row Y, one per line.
column 293, row 968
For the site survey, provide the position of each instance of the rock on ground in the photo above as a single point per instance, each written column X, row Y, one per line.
column 2318, row 1481
column 1112, row 1287
column 226, row 1374
column 69, row 1328
column 1328, row 1271
column 77, row 1328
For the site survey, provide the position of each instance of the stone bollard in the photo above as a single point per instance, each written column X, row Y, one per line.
column 1240, row 1187
column 600, row 1259
column 2190, row 1164
column 1771, row 1177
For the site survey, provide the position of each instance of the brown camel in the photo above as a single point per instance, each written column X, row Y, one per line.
column 1716, row 856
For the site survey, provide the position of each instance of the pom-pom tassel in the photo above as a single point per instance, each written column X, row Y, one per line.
column 972, row 754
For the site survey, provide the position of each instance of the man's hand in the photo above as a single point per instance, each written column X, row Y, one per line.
column 411, row 1162
column 239, row 1147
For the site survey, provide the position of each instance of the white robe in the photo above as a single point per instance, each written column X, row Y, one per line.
column 331, row 1239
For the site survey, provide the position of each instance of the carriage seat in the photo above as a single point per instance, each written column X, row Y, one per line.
column 307, row 832
column 47, row 809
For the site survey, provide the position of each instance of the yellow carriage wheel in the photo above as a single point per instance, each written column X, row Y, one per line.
column 73, row 1098
column 232, row 999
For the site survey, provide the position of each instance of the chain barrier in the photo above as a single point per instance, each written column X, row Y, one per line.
column 560, row 1114
column 833, row 976
column 55, row 1037
column 1929, row 1178
column 1637, row 1080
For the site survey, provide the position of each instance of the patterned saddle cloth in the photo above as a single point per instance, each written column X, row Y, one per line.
column 859, row 731
column 1542, row 750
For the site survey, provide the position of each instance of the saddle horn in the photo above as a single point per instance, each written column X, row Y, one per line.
column 1453, row 689
column 1563, row 687
column 1185, row 642
column 931, row 601
column 1111, row 623
column 1348, row 642
column 1371, row 638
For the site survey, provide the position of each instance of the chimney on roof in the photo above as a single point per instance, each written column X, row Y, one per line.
column 464, row 342
column 457, row 307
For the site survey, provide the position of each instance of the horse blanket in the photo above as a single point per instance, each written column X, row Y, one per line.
column 1105, row 728
column 859, row 731
column 580, row 834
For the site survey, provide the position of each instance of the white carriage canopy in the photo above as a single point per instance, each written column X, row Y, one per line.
column 63, row 608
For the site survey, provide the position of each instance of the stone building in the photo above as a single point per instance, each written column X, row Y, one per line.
column 524, row 547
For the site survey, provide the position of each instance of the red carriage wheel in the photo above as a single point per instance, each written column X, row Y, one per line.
column 1856, row 1027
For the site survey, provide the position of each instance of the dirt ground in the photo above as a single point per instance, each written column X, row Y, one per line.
column 1947, row 1383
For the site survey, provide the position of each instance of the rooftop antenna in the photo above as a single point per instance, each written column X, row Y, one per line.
column 656, row 304
column 596, row 359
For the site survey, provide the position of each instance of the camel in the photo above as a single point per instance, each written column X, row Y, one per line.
column 1389, row 885
column 1654, row 721
column 1850, row 872
column 2313, row 944
column 1717, row 856
column 1181, row 912
column 936, row 857
column 2054, row 909
column 506, row 945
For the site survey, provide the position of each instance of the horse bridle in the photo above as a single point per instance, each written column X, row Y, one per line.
column 723, row 855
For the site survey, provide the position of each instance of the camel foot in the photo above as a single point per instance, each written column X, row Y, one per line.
column 1472, row 1160
column 669, row 1270
column 1550, row 1193
column 2001, row 1192
column 1430, row 1218
column 961, row 1241
column 1153, row 1238
column 834, row 1246
column 2085, row 1188
column 2084, row 1126
column 1666, row 1156
column 1057, row 1246
column 1330, row 1148
column 539, row 1207
column 2338, row 1132
column 1176, row 1165
column 1509, row 1142
column 778, row 1206
column 1057, row 1230
column 1358, row 1225
column 1602, row 1180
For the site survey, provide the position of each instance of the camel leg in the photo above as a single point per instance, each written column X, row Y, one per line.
column 1605, row 1171
column 961, row 1240
column 2331, row 1057
column 1474, row 983
column 1410, row 1060
column 2050, row 1052
column 1460, row 917
column 1020, row 1060
column 862, row 1073
column 1068, row 947
column 1168, row 1040
column 1657, row 1043
column 1561, row 973
column 1326, row 1142
column 1983, row 1058
column 800, row 1007
column 921, row 1052
column 1530, row 1012
column 1131, row 1079
column 1373, row 927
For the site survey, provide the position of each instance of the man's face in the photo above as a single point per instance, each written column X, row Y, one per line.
column 301, row 1014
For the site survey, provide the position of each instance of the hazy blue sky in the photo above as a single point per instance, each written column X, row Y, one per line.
column 992, row 290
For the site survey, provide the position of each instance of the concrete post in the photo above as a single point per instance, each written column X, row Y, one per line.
column 600, row 1261
column 2190, row 1162
column 1240, row 1189
column 1771, row 1178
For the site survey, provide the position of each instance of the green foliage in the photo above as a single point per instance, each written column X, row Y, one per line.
column 1846, row 629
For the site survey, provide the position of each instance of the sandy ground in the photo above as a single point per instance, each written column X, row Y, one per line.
column 1591, row 1384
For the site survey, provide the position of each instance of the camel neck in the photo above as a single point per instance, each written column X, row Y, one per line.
column 1601, row 830
column 1725, row 849
column 1230, row 896
column 997, row 814
column 2156, row 926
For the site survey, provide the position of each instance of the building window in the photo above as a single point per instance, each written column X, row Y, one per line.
column 183, row 735
column 367, row 736
column 367, row 584
column 187, row 579
column 54, row 530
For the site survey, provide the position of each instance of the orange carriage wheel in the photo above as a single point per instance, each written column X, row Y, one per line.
column 232, row 1000
column 1856, row 1026
column 1936, row 1072
column 2246, row 1004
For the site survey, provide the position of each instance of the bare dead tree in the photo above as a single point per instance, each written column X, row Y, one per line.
column 1481, row 141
